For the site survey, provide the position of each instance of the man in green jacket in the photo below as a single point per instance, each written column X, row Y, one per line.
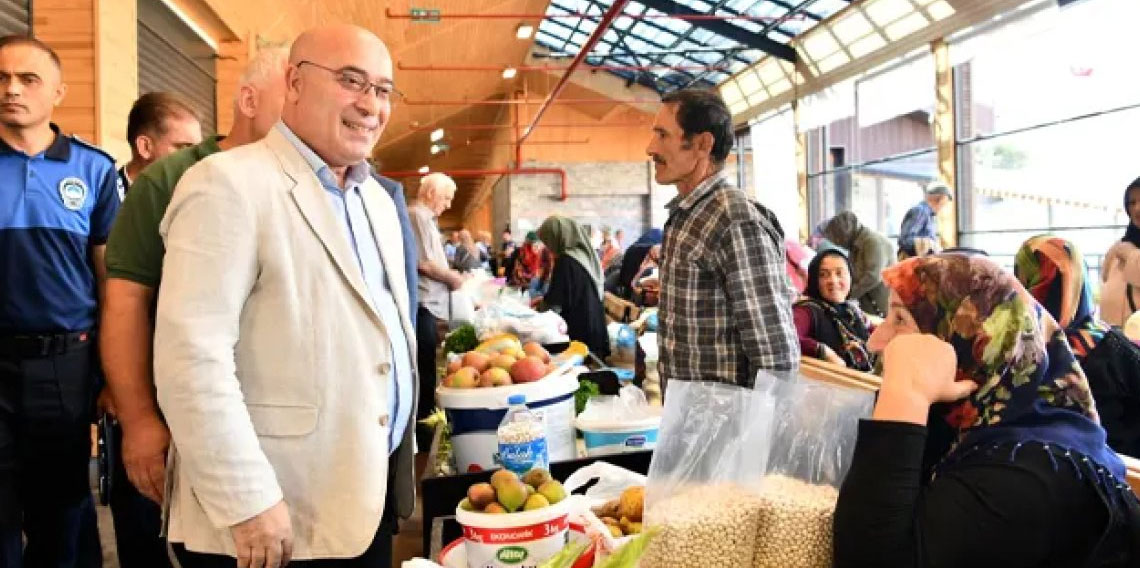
column 134, row 263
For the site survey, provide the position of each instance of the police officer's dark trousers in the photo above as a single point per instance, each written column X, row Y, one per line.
column 46, row 406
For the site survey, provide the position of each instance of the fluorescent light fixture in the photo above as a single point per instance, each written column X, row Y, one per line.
column 509, row 73
column 437, row 135
column 436, row 148
column 423, row 169
column 524, row 31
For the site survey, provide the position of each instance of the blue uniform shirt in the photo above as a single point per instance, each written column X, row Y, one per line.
column 54, row 207
column 348, row 207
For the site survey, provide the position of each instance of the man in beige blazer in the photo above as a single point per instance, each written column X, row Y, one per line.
column 283, row 343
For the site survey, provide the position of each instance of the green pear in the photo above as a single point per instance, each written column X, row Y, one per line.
column 553, row 491
column 512, row 495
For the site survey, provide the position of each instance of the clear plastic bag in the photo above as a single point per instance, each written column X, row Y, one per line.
column 508, row 314
column 629, row 404
column 814, row 429
column 706, row 474
column 734, row 467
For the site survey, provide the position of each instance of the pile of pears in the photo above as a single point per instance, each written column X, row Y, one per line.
column 507, row 493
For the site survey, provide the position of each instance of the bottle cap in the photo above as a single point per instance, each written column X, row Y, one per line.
column 516, row 399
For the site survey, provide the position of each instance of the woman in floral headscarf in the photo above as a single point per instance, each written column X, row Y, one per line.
column 1028, row 479
column 1053, row 271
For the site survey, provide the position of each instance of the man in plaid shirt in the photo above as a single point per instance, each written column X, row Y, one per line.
column 726, row 303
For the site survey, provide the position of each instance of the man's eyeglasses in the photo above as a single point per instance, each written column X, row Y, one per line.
column 357, row 82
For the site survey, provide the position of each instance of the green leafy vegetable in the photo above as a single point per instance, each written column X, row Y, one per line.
column 462, row 340
column 586, row 391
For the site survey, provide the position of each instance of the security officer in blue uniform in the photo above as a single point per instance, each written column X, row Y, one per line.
column 57, row 202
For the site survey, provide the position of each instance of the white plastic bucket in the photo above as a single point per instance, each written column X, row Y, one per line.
column 454, row 555
column 514, row 540
column 474, row 416
column 615, row 437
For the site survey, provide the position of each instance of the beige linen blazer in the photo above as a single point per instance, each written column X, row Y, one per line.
column 272, row 369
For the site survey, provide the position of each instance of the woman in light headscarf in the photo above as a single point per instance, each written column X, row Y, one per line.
column 575, row 290
column 1053, row 271
column 1120, row 269
column 1027, row 478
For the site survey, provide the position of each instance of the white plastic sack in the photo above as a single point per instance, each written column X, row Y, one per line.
column 629, row 404
column 509, row 315
column 612, row 480
column 462, row 309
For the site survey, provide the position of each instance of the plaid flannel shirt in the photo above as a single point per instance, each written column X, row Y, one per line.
column 726, row 302
column 918, row 223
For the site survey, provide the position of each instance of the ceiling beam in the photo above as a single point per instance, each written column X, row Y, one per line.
column 723, row 28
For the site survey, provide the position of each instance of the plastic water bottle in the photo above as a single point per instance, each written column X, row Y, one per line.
column 522, row 438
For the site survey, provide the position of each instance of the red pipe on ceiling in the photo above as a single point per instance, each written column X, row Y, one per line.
column 477, row 127
column 536, row 143
column 586, row 67
column 461, row 102
column 431, row 16
column 604, row 24
column 563, row 194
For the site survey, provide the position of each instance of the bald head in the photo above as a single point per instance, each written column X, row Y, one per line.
column 338, row 92
column 327, row 40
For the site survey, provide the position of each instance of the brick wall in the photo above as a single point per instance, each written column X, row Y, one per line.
column 601, row 194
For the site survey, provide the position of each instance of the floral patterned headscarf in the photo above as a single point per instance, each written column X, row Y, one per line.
column 1054, row 272
column 1030, row 387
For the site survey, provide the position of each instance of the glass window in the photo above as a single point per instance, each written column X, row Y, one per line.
column 773, row 161
column 875, row 153
column 1048, row 104
column 1049, row 65
column 879, row 193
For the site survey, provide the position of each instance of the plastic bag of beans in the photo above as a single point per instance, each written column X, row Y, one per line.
column 705, row 479
column 813, row 438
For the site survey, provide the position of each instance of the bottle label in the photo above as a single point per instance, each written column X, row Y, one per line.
column 521, row 457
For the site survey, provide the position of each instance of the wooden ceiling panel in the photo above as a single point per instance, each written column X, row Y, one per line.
column 454, row 42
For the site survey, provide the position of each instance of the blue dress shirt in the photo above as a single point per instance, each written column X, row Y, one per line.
column 348, row 206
